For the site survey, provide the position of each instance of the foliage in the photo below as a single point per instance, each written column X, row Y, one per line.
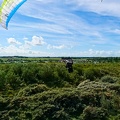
column 109, row 79
column 47, row 91
column 94, row 113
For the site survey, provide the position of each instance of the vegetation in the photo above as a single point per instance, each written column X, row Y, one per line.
column 47, row 91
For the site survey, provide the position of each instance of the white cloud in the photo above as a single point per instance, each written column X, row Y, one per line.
column 25, row 38
column 37, row 40
column 107, row 7
column 19, row 51
column 56, row 47
column 13, row 50
column 116, row 31
column 59, row 20
column 13, row 41
column 97, row 53
column 22, row 48
column 25, row 46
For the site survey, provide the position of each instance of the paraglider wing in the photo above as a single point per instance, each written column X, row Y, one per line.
column 8, row 9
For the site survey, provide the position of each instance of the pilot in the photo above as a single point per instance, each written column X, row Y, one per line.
column 69, row 64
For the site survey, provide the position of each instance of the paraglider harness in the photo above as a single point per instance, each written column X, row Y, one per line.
column 69, row 63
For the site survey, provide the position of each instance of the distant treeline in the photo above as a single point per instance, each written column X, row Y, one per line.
column 12, row 59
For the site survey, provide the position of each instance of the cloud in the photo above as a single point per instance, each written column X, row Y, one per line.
column 107, row 7
column 23, row 48
column 13, row 50
column 25, row 38
column 13, row 41
column 37, row 40
column 55, row 47
column 116, row 31
column 52, row 18
column 97, row 53
column 55, row 19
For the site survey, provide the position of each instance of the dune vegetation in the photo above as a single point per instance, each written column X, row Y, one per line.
column 47, row 91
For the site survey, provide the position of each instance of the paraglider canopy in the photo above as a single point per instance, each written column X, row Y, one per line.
column 8, row 9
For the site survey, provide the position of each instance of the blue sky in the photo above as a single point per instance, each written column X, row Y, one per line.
column 55, row 28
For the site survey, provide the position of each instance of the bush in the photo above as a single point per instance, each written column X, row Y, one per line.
column 92, row 73
column 94, row 113
column 2, row 80
column 47, row 91
column 32, row 90
column 109, row 79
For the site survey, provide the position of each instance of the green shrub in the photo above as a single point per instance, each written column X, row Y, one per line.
column 47, row 91
column 109, row 79
column 117, row 117
column 2, row 80
column 32, row 90
column 12, row 80
column 3, row 103
column 94, row 113
column 89, row 74
column 92, row 73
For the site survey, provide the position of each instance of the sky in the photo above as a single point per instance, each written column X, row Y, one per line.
column 63, row 28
